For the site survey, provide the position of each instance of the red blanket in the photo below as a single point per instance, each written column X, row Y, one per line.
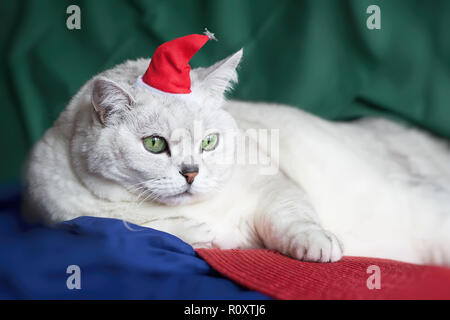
column 351, row 278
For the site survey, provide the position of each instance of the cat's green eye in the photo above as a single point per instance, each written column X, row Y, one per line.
column 210, row 142
column 155, row 144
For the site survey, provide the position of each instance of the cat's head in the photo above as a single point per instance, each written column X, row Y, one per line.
column 172, row 149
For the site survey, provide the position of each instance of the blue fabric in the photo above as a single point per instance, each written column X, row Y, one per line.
column 115, row 262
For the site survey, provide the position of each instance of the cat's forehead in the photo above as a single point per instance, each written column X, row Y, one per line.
column 153, row 112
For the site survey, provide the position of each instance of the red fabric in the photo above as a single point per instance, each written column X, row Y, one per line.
column 169, row 68
column 284, row 278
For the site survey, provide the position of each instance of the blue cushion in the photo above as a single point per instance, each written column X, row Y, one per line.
column 116, row 261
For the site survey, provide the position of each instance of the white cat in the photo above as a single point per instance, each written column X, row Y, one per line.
column 169, row 163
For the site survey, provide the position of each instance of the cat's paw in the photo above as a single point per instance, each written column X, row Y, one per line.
column 316, row 246
column 199, row 236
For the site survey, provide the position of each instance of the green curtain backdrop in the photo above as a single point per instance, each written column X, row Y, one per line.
column 317, row 55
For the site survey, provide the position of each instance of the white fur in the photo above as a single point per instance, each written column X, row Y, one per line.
column 383, row 189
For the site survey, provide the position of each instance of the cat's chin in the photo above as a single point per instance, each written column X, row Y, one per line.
column 180, row 199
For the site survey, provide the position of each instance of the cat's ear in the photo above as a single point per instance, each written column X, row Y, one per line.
column 108, row 98
column 220, row 77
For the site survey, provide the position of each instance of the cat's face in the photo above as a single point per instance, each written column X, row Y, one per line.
column 165, row 148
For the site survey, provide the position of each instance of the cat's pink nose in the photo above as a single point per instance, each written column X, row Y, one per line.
column 190, row 176
column 189, row 171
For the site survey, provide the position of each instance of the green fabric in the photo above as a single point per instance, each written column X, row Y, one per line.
column 317, row 55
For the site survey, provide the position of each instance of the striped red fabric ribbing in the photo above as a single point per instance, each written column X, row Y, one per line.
column 281, row 277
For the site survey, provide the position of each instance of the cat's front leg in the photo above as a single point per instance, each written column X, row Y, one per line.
column 286, row 222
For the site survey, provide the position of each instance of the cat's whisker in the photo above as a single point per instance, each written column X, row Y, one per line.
column 142, row 183
column 137, row 189
column 142, row 195
column 151, row 195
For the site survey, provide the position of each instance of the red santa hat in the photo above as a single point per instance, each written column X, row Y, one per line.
column 169, row 70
